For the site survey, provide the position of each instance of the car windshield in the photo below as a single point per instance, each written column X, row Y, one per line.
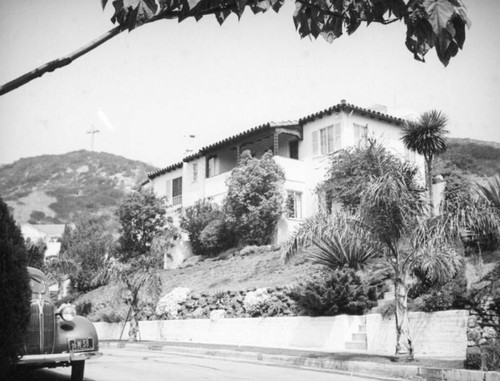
column 37, row 286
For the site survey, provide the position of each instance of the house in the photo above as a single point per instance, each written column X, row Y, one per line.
column 50, row 234
column 301, row 147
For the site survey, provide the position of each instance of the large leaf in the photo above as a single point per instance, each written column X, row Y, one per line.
column 439, row 14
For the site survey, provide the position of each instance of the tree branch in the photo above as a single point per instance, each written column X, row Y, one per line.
column 59, row 62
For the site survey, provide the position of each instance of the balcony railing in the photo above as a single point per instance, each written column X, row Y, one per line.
column 177, row 200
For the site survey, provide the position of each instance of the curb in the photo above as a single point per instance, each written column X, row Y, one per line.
column 316, row 360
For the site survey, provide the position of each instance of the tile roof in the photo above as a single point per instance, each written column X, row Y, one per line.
column 342, row 106
column 159, row 172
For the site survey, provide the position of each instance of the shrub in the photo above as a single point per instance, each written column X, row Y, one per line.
column 437, row 297
column 195, row 219
column 334, row 293
column 473, row 358
column 254, row 201
column 256, row 302
column 84, row 308
column 216, row 237
column 14, row 290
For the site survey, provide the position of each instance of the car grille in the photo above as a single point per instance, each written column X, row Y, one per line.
column 39, row 337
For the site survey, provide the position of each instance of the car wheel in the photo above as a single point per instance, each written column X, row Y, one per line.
column 77, row 369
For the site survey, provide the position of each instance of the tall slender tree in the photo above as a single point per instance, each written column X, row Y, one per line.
column 426, row 136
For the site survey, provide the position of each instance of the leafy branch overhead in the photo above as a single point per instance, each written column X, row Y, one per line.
column 438, row 24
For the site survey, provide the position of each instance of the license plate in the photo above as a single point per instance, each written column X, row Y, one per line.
column 78, row 345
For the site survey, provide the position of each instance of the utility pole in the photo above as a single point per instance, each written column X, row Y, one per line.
column 92, row 132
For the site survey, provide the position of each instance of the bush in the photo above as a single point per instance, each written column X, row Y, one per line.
column 84, row 308
column 216, row 237
column 334, row 293
column 15, row 291
column 473, row 359
column 254, row 201
column 452, row 295
column 195, row 219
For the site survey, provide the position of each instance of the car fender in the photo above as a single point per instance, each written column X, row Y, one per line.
column 78, row 328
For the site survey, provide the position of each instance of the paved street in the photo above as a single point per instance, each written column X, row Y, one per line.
column 128, row 365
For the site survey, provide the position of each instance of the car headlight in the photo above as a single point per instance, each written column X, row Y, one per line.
column 67, row 312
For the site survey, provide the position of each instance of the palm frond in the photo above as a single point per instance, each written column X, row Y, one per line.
column 491, row 191
column 426, row 135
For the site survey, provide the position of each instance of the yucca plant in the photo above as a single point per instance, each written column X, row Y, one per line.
column 490, row 192
column 335, row 241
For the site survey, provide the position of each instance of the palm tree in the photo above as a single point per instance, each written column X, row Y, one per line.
column 392, row 219
column 426, row 137
column 138, row 276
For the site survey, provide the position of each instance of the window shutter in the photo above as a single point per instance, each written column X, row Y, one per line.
column 330, row 144
column 168, row 190
column 337, row 137
column 315, row 143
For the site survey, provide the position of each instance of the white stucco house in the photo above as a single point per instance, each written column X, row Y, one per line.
column 301, row 147
column 50, row 234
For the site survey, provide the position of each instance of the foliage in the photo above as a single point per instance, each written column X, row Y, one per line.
column 426, row 137
column 256, row 302
column 36, row 253
column 141, row 284
column 333, row 293
column 394, row 214
column 474, row 157
column 429, row 24
column 86, row 248
column 441, row 296
column 196, row 218
column 216, row 237
column 351, row 171
column 164, row 241
column 141, row 218
column 337, row 241
column 490, row 192
column 254, row 201
column 15, row 291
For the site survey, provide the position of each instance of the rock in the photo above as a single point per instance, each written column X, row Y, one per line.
column 471, row 323
column 195, row 296
column 198, row 313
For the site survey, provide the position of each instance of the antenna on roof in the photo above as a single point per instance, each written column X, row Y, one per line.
column 189, row 141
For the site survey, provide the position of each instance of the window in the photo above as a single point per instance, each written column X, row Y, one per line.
column 360, row 134
column 177, row 191
column 327, row 140
column 293, row 205
column 294, row 149
column 212, row 166
column 195, row 172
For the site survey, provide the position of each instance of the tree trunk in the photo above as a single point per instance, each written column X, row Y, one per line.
column 428, row 180
column 134, row 326
column 404, row 345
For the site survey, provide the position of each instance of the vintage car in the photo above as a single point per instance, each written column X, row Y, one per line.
column 56, row 336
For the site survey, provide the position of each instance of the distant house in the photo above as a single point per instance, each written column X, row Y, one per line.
column 50, row 234
column 301, row 147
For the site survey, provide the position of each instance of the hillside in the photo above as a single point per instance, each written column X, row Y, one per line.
column 60, row 188
column 474, row 158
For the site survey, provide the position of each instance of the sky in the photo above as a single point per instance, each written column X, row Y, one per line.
column 148, row 90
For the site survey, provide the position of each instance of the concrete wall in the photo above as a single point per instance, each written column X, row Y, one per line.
column 438, row 334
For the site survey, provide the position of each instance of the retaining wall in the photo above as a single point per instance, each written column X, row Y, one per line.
column 434, row 334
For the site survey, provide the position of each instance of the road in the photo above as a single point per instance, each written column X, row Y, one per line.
column 133, row 365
